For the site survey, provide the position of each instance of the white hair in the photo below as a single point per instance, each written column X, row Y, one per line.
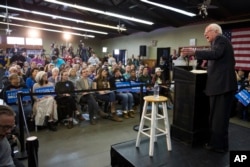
column 55, row 69
column 216, row 27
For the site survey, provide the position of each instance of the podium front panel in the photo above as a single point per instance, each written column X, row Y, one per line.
column 191, row 107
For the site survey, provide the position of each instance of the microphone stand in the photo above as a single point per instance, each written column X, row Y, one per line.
column 136, row 127
column 187, row 60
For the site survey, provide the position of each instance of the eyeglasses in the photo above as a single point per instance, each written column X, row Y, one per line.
column 7, row 127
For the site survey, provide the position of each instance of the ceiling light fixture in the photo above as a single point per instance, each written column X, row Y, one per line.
column 56, row 25
column 51, row 30
column 203, row 11
column 60, row 17
column 170, row 8
column 101, row 12
column 120, row 27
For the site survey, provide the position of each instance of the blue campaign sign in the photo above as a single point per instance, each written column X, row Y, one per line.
column 26, row 98
column 119, row 86
column 137, row 89
column 11, row 95
column 44, row 90
column 244, row 97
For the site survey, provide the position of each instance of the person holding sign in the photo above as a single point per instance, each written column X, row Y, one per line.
column 124, row 96
column 15, row 84
column 9, row 94
column 45, row 107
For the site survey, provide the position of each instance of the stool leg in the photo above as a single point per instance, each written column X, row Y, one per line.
column 166, row 122
column 156, row 120
column 152, row 129
column 144, row 112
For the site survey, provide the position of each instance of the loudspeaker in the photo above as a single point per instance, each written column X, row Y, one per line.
column 143, row 50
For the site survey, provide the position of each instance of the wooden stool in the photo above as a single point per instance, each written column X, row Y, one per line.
column 154, row 116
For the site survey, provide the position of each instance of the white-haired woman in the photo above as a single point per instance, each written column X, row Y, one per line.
column 54, row 78
column 45, row 107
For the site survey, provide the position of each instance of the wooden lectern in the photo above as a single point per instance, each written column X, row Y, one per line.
column 191, row 107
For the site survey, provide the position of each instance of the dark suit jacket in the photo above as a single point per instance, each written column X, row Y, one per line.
column 63, row 87
column 221, row 73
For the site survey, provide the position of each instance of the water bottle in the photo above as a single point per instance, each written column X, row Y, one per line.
column 156, row 90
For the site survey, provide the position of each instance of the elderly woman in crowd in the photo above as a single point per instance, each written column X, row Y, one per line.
column 45, row 107
column 5, row 79
column 14, row 84
column 54, row 78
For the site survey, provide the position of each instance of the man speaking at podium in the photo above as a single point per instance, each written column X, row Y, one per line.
column 221, row 84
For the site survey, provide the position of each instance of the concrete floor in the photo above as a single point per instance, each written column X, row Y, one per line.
column 88, row 145
column 85, row 145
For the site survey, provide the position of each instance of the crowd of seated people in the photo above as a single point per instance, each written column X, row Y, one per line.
column 70, row 74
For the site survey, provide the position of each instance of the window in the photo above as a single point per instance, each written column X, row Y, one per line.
column 24, row 41
column 15, row 40
column 34, row 41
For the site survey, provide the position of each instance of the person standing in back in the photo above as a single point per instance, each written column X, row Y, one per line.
column 221, row 84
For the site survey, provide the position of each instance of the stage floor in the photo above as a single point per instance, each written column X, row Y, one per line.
column 182, row 155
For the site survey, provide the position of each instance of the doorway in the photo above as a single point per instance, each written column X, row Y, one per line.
column 121, row 56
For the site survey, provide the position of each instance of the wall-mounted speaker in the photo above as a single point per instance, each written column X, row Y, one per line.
column 143, row 50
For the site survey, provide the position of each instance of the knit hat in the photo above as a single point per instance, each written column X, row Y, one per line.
column 40, row 75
